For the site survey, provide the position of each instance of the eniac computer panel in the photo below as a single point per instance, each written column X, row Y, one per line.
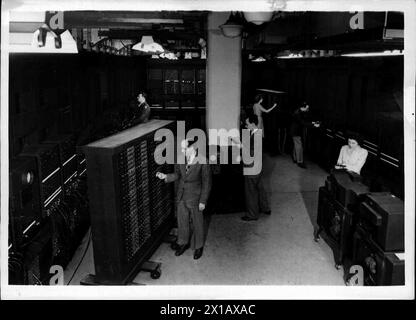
column 380, row 268
column 131, row 210
column 49, row 170
column 25, row 209
column 382, row 215
column 337, row 213
column 67, row 155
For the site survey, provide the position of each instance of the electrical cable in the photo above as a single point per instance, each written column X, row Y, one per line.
column 37, row 279
column 82, row 258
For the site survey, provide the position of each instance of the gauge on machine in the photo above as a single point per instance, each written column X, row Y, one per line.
column 27, row 178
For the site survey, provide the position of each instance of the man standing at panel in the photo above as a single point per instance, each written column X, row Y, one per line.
column 300, row 120
column 142, row 110
column 255, row 192
column 194, row 185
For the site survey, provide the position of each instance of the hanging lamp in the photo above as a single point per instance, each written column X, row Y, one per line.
column 259, row 17
column 233, row 27
column 148, row 45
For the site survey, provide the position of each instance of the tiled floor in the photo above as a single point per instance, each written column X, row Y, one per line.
column 275, row 250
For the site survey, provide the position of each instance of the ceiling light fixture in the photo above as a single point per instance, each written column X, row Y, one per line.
column 258, row 18
column 148, row 45
column 146, row 20
column 168, row 55
column 375, row 54
column 44, row 40
column 259, row 59
column 277, row 4
column 233, row 27
column 290, row 56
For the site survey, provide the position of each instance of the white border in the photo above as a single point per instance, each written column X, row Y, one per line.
column 220, row 292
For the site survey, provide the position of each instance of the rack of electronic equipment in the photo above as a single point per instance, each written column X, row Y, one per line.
column 48, row 209
column 131, row 209
column 53, row 202
column 365, row 229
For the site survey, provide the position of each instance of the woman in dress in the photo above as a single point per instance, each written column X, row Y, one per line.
column 258, row 110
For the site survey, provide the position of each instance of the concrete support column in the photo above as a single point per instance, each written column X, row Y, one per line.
column 223, row 98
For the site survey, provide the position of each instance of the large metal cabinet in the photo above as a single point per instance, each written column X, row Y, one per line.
column 131, row 209
column 176, row 85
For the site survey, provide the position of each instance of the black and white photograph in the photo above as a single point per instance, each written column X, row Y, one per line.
column 207, row 149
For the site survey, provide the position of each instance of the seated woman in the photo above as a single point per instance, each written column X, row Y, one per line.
column 352, row 157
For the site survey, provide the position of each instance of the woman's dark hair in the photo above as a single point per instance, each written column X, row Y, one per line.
column 252, row 118
column 354, row 136
column 257, row 98
column 191, row 142
column 143, row 93
column 300, row 104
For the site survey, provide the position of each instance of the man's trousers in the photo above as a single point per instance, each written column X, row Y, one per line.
column 297, row 149
column 190, row 225
column 256, row 196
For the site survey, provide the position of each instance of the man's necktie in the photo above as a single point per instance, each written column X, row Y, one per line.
column 187, row 164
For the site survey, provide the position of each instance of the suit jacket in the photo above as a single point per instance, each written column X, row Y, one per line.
column 193, row 186
column 300, row 120
column 142, row 113
column 251, row 165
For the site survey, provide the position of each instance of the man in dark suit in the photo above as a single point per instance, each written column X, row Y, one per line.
column 142, row 109
column 194, row 185
column 255, row 193
column 297, row 128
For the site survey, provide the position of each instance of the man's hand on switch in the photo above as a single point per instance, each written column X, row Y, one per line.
column 201, row 207
column 161, row 175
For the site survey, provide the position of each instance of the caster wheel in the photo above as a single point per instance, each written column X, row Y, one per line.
column 348, row 280
column 155, row 274
column 337, row 266
column 316, row 236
